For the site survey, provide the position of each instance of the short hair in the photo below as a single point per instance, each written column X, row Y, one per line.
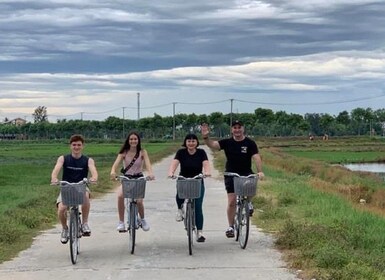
column 189, row 137
column 76, row 138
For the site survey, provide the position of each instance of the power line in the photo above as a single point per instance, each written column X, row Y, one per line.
column 312, row 103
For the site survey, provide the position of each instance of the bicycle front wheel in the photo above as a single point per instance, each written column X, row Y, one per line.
column 133, row 210
column 189, row 226
column 244, row 224
column 73, row 232
column 237, row 219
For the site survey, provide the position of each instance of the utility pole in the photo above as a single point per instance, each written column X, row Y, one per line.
column 231, row 111
column 81, row 116
column 173, row 120
column 138, row 97
column 123, row 122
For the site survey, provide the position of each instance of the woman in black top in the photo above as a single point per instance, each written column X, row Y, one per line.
column 192, row 162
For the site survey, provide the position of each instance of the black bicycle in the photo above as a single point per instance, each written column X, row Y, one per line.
column 245, row 187
column 72, row 196
column 189, row 189
column 133, row 189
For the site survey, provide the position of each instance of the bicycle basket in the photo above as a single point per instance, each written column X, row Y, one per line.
column 134, row 188
column 189, row 189
column 245, row 186
column 73, row 194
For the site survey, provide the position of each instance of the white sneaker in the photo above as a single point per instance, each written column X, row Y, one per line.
column 64, row 236
column 179, row 215
column 121, row 227
column 145, row 225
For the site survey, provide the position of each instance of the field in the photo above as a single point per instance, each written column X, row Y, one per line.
column 308, row 200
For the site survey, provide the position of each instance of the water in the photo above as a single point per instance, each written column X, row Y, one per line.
column 367, row 167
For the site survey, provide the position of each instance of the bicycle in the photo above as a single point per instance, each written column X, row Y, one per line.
column 72, row 196
column 245, row 187
column 133, row 189
column 189, row 189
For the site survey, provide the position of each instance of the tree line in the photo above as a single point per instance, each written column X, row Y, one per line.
column 262, row 122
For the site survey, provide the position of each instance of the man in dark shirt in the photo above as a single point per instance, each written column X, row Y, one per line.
column 75, row 167
column 240, row 151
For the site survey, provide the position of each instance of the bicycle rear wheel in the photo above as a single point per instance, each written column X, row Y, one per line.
column 244, row 224
column 73, row 232
column 133, row 210
column 189, row 226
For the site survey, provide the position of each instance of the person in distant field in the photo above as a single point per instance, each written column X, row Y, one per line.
column 133, row 157
column 193, row 161
column 75, row 168
column 239, row 151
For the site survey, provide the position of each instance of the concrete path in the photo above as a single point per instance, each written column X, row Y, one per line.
column 161, row 253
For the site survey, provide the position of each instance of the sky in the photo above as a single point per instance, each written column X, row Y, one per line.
column 131, row 59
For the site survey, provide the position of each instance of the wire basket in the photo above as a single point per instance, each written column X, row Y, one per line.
column 188, row 189
column 134, row 188
column 73, row 194
column 245, row 186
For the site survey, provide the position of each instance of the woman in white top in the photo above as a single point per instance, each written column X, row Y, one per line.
column 134, row 158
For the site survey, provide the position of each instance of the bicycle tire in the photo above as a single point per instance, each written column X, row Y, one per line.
column 189, row 226
column 73, row 232
column 244, row 224
column 237, row 220
column 132, row 226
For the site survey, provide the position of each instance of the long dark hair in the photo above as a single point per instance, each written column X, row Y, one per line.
column 126, row 146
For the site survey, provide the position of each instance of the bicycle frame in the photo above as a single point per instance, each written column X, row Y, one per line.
column 72, row 196
column 244, row 187
column 189, row 189
column 133, row 189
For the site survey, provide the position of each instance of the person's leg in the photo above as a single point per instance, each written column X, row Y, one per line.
column 144, row 223
column 199, row 210
column 199, row 215
column 85, row 212
column 121, row 204
column 62, row 214
column 179, row 203
column 62, row 217
column 231, row 201
column 86, row 208
column 120, row 199
column 140, row 204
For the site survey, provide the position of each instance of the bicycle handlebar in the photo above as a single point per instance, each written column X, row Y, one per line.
column 60, row 182
column 122, row 177
column 237, row 175
column 199, row 176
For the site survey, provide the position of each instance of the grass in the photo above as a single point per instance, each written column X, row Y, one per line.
column 27, row 201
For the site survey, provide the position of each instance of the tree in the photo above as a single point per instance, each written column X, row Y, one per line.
column 40, row 114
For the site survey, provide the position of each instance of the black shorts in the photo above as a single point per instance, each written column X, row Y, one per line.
column 229, row 184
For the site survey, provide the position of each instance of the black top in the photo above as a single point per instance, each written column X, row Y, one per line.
column 75, row 170
column 238, row 154
column 190, row 165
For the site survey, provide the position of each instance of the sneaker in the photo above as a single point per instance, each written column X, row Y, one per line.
column 179, row 215
column 145, row 225
column 230, row 232
column 251, row 209
column 200, row 237
column 121, row 227
column 64, row 236
column 86, row 230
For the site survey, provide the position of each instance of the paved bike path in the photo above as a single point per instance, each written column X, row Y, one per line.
column 161, row 253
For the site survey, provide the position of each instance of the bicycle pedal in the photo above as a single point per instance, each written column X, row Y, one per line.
column 86, row 234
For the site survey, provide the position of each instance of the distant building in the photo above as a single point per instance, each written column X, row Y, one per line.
column 17, row 122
